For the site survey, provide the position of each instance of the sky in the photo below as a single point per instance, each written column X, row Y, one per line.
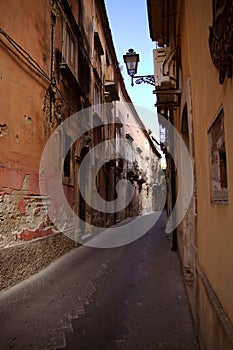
column 130, row 29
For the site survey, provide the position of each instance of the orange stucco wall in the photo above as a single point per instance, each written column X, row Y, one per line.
column 22, row 91
column 21, row 118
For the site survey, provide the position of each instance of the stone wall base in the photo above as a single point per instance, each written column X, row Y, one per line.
column 214, row 327
column 19, row 262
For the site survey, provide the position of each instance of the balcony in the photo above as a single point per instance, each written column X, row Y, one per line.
column 111, row 89
column 166, row 78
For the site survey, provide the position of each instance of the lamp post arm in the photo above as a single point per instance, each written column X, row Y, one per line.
column 149, row 79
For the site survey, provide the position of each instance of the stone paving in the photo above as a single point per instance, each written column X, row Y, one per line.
column 125, row 298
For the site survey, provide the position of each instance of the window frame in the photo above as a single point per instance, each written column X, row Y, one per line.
column 70, row 49
column 68, row 180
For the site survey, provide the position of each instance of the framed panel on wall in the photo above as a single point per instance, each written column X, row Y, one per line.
column 218, row 161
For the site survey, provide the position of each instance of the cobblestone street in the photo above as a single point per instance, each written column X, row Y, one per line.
column 132, row 297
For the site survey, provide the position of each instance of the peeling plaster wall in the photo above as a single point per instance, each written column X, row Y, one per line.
column 23, row 216
column 22, row 137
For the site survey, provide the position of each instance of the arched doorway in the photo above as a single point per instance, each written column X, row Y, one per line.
column 187, row 229
column 82, row 184
column 81, row 177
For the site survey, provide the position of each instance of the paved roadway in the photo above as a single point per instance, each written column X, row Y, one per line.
column 126, row 298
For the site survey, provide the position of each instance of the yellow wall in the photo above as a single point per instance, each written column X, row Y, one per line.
column 215, row 221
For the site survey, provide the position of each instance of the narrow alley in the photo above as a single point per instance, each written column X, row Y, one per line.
column 131, row 297
column 112, row 112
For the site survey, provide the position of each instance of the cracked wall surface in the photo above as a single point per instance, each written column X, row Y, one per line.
column 23, row 214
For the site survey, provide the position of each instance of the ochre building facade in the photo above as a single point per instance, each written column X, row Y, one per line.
column 195, row 43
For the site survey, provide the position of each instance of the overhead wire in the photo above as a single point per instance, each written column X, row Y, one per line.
column 25, row 54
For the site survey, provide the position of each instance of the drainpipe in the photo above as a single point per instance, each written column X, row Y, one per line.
column 173, row 183
column 52, row 73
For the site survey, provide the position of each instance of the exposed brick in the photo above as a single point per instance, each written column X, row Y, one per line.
column 27, row 235
column 23, row 216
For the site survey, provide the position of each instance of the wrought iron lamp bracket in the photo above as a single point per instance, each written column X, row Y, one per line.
column 148, row 79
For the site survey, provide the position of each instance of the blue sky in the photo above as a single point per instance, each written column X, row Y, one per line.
column 129, row 25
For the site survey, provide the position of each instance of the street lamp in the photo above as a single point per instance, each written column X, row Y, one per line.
column 131, row 59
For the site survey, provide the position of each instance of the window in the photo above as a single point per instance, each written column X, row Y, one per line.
column 96, row 99
column 70, row 51
column 98, row 52
column 129, row 149
column 218, row 161
column 107, row 67
column 67, row 166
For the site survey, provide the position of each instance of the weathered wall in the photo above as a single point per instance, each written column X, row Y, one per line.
column 40, row 90
column 22, row 213
column 21, row 118
column 214, row 221
column 31, row 108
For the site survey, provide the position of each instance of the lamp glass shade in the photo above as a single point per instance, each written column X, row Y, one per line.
column 131, row 60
